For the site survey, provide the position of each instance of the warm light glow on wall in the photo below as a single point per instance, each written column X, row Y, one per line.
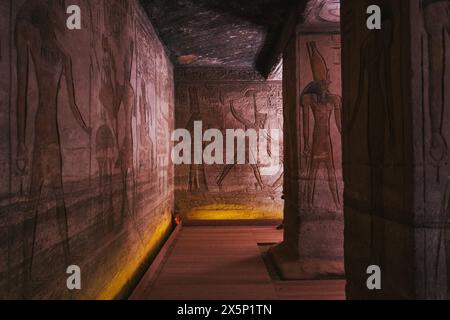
column 232, row 212
column 128, row 271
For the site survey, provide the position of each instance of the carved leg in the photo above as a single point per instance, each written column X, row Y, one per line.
column 63, row 227
column 332, row 182
column 28, row 238
column 311, row 184
column 224, row 174
column 257, row 174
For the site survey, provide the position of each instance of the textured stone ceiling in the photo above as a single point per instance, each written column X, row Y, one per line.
column 218, row 32
column 230, row 33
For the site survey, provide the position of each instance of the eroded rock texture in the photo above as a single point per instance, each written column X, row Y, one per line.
column 84, row 151
column 219, row 33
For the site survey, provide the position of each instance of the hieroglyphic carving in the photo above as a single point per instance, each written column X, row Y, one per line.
column 317, row 98
column 146, row 74
column 275, row 121
column 216, row 74
column 39, row 25
column 164, row 117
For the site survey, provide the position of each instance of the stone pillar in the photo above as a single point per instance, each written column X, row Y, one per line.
column 396, row 133
column 285, row 255
column 313, row 240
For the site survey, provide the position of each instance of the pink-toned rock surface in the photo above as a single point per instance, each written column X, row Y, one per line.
column 84, row 149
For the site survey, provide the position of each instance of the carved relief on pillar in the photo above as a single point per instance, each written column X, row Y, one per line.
column 320, row 109
column 435, row 64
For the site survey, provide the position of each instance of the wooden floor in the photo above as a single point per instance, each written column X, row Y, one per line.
column 226, row 263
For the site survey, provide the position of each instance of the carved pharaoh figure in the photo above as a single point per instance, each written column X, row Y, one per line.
column 39, row 29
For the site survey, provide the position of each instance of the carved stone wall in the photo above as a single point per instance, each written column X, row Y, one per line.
column 396, row 134
column 219, row 192
column 85, row 160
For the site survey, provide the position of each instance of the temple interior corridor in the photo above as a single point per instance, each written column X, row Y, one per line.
column 224, row 149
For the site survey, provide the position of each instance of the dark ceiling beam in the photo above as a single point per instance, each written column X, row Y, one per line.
column 269, row 60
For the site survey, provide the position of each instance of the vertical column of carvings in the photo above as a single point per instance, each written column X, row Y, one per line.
column 396, row 160
column 431, row 134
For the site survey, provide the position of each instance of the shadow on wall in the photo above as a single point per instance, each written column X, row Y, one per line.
column 396, row 176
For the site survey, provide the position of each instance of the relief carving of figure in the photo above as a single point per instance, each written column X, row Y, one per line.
column 317, row 98
column 117, row 94
column 40, row 27
column 259, row 124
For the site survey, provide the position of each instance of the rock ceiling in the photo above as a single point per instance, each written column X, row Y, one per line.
column 231, row 33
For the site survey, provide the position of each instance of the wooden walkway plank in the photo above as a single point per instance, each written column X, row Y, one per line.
column 226, row 263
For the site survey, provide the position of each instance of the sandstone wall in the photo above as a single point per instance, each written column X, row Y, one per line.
column 221, row 192
column 85, row 117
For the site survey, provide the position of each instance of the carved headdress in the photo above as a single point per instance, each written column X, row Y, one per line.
column 318, row 65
